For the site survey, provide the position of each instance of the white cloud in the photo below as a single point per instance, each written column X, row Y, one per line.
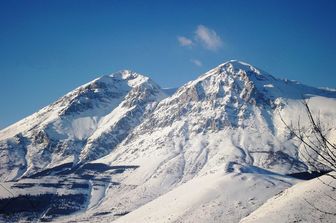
column 197, row 62
column 184, row 41
column 208, row 37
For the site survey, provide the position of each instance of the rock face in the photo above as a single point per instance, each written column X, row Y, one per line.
column 225, row 124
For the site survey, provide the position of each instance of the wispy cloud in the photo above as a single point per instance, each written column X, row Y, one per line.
column 197, row 62
column 208, row 37
column 184, row 41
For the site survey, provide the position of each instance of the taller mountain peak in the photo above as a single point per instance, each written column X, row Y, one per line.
column 236, row 68
column 233, row 79
column 239, row 65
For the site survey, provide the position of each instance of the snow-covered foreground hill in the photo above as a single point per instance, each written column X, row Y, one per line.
column 311, row 201
column 213, row 151
column 218, row 197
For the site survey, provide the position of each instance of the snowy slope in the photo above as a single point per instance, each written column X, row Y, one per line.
column 211, row 198
column 310, row 201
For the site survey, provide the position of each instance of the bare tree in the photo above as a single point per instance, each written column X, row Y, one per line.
column 318, row 151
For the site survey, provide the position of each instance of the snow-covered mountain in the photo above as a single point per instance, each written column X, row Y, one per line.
column 215, row 147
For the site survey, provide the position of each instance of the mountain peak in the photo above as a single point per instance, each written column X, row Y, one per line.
column 235, row 69
column 236, row 65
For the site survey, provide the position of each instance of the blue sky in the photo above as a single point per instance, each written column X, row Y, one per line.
column 48, row 48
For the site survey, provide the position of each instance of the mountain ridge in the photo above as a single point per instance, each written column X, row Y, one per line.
column 228, row 90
